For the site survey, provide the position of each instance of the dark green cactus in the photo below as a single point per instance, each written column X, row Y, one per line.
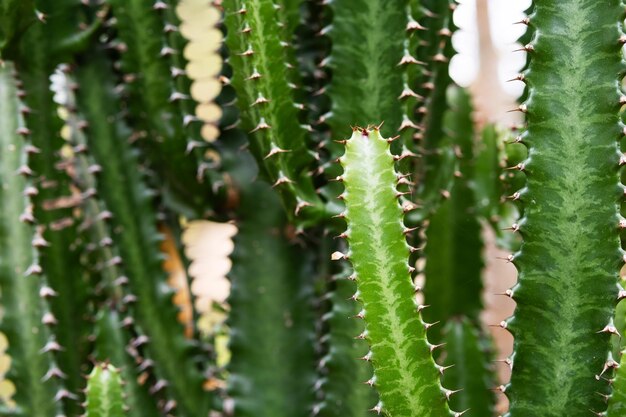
column 570, row 257
column 24, row 288
column 98, row 105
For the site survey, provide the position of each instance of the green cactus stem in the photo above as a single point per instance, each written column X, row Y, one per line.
column 112, row 345
column 570, row 257
column 104, row 392
column 155, row 104
column 468, row 353
column 60, row 259
column 342, row 369
column 121, row 186
column 266, row 100
column 24, row 290
column 405, row 374
column 454, row 246
column 272, row 369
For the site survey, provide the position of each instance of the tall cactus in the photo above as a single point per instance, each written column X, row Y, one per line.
column 404, row 371
column 266, row 98
column 137, row 236
column 570, row 257
column 24, row 290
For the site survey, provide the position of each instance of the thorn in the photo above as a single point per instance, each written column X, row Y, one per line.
column 47, row 292
column 449, row 393
column 335, row 256
column 610, row 328
column 275, row 150
column 518, row 77
column 261, row 126
column 408, row 230
column 378, row 408
column 429, row 325
column 51, row 346
column 371, row 381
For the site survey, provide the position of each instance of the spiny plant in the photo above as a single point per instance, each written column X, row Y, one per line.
column 356, row 275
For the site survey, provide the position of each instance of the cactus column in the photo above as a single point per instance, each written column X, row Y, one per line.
column 569, row 262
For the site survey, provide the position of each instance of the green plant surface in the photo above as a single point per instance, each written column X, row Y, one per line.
column 60, row 259
column 343, row 370
column 367, row 60
column 120, row 185
column 155, row 108
column 570, row 257
column 468, row 352
column 104, row 392
column 405, row 374
column 15, row 17
column 266, row 100
column 31, row 346
column 454, row 245
column 271, row 320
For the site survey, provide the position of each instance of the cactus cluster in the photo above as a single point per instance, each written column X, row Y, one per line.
column 331, row 134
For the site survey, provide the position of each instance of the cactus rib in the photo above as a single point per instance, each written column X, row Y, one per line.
column 126, row 196
column 570, row 257
column 404, row 371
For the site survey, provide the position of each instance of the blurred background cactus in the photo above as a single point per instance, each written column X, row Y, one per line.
column 282, row 208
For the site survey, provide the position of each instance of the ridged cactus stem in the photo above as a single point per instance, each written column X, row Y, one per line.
column 405, row 374
column 155, row 103
column 570, row 258
column 125, row 194
column 368, row 55
column 24, row 289
column 59, row 259
column 269, row 111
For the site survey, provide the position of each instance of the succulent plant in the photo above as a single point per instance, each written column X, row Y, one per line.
column 356, row 277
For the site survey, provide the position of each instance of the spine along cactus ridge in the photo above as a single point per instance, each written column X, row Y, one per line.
column 330, row 134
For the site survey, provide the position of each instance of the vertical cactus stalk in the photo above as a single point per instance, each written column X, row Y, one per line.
column 113, row 344
column 104, row 392
column 453, row 272
column 265, row 97
column 570, row 257
column 367, row 57
column 155, row 102
column 342, row 367
column 24, row 290
column 404, row 372
column 272, row 369
column 471, row 369
column 120, row 184
column 454, row 246
column 59, row 259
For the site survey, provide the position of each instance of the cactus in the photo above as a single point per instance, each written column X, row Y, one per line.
column 104, row 392
column 103, row 114
column 404, row 372
column 572, row 191
column 24, row 289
